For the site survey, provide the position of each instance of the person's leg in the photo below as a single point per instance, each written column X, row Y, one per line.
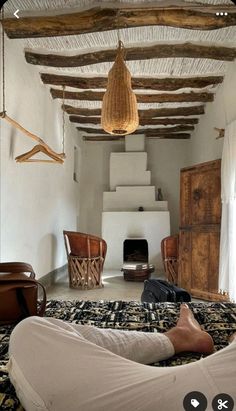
column 211, row 376
column 220, row 369
column 146, row 347
column 54, row 368
column 141, row 347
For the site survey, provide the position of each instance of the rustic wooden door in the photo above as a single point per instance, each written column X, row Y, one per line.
column 199, row 236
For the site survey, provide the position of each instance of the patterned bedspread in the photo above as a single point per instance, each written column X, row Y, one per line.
column 219, row 319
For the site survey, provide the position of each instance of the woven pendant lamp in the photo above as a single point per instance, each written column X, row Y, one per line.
column 119, row 106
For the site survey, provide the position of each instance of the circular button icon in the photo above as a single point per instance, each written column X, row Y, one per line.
column 195, row 401
column 223, row 402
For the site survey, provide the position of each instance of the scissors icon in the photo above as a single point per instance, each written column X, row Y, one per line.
column 222, row 404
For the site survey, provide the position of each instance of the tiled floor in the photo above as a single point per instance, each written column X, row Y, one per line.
column 115, row 288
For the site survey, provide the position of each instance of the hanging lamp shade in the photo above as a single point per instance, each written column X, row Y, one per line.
column 119, row 105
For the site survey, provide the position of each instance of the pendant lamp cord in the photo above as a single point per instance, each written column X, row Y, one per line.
column 63, row 121
column 121, row 49
column 118, row 30
column 3, row 67
column 118, row 35
column 120, row 42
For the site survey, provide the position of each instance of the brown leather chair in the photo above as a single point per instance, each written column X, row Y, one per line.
column 86, row 255
column 170, row 254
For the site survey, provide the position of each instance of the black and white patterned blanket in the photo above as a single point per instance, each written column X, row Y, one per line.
column 219, row 319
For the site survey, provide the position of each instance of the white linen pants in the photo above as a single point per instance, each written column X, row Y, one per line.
column 60, row 366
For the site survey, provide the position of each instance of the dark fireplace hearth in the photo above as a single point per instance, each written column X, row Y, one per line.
column 135, row 260
column 135, row 250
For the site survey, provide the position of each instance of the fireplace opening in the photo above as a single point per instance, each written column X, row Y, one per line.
column 135, row 250
column 135, row 256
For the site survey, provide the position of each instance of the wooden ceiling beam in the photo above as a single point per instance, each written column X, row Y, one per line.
column 107, row 137
column 156, row 51
column 147, row 132
column 141, row 98
column 91, row 130
column 85, row 120
column 170, row 112
column 167, row 121
column 176, row 136
column 113, row 18
column 81, row 111
column 151, row 83
column 143, row 114
column 142, row 121
column 168, row 130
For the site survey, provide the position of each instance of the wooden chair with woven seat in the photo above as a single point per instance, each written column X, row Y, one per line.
column 170, row 254
column 86, row 255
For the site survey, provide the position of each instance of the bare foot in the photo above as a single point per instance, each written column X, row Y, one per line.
column 232, row 338
column 188, row 335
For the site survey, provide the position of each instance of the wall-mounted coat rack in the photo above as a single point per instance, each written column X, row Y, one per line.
column 221, row 132
column 41, row 147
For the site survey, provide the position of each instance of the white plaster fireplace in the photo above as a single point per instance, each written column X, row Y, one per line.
column 130, row 185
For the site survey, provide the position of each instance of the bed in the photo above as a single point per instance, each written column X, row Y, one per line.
column 219, row 319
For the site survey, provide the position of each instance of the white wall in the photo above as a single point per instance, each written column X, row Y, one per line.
column 38, row 200
column 204, row 146
column 94, row 180
column 165, row 158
